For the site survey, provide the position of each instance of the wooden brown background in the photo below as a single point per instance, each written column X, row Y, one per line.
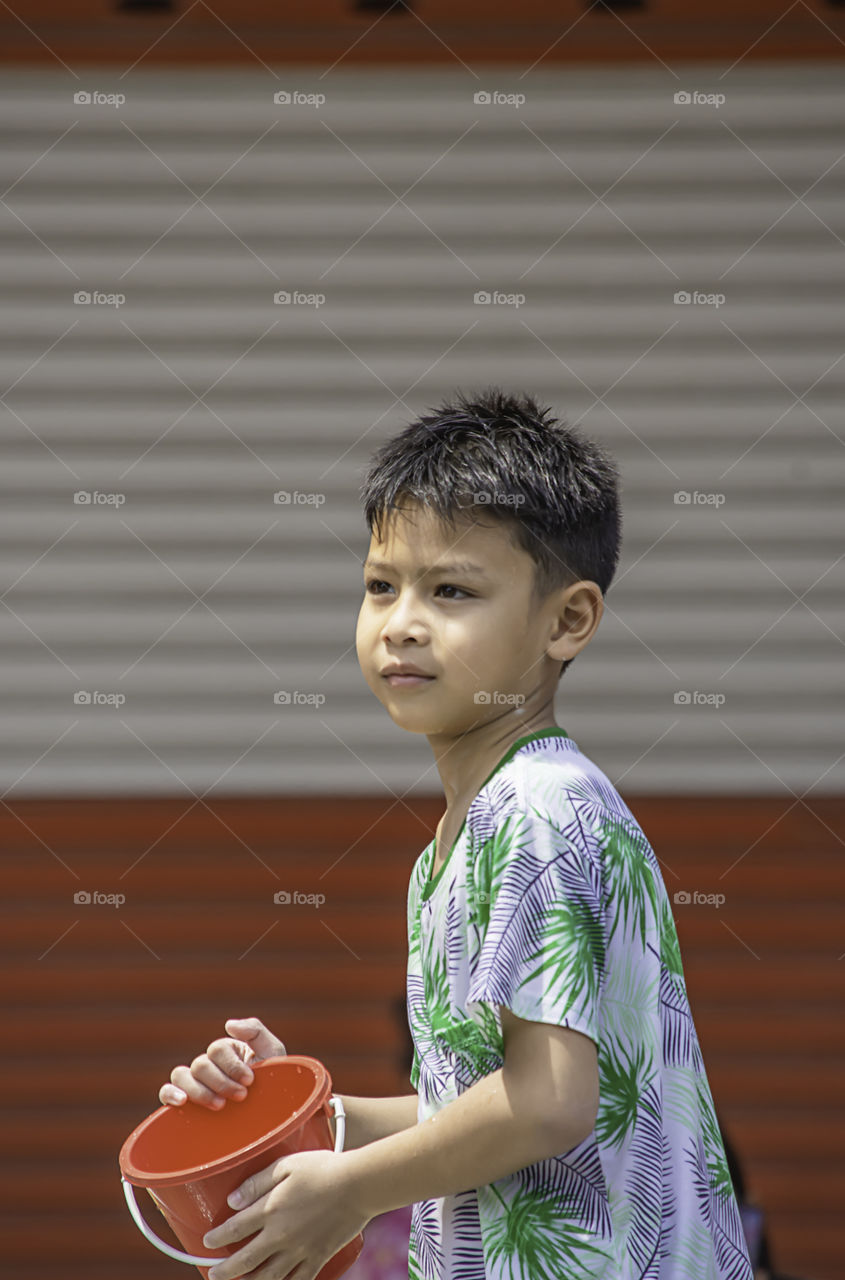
column 100, row 1001
column 336, row 32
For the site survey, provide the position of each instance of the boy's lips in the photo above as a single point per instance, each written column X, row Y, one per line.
column 403, row 674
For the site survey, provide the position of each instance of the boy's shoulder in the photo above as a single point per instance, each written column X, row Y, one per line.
column 549, row 776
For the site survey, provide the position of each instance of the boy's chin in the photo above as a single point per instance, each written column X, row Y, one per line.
column 414, row 719
column 413, row 723
column 432, row 726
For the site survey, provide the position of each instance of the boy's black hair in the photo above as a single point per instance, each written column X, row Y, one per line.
column 504, row 457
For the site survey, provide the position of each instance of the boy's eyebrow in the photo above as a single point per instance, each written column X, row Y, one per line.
column 459, row 567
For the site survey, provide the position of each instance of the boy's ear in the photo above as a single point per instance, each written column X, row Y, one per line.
column 575, row 615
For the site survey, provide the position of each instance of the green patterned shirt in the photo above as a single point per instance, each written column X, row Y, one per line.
column 551, row 903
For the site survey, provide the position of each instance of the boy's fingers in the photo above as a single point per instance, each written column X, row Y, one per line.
column 260, row 1040
column 205, row 1071
column 223, row 1071
column 228, row 1056
column 203, row 1083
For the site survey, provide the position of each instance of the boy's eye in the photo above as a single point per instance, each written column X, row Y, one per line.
column 444, row 586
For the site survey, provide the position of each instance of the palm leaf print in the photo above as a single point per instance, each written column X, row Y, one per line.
column 530, row 1238
column 432, row 1074
column 621, row 1210
column 670, row 948
column 576, row 1183
column 644, row 1184
column 624, row 1079
column 680, row 1047
column 630, row 881
column 717, row 1161
column 490, row 1027
column 500, row 798
column 721, row 1217
column 425, row 1243
column 669, row 1202
column 467, row 1260
column 676, row 1018
column 692, row 1255
column 417, row 1022
column 470, row 1057
column 546, row 911
column 575, row 842
column 493, row 856
column 415, row 887
column 414, row 1272
column 571, row 954
column 731, row 1247
column 438, row 1002
column 630, row 997
column 456, row 943
column 511, row 934
column 597, row 797
column 680, row 1097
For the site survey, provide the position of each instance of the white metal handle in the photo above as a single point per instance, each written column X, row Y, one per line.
column 339, row 1123
column 147, row 1231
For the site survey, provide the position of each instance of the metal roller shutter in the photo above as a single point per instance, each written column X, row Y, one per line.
column 199, row 397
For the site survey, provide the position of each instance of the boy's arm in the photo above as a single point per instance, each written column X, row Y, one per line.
column 368, row 1119
column 541, row 1103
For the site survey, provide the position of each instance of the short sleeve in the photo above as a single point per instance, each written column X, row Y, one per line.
column 413, row 982
column 536, row 908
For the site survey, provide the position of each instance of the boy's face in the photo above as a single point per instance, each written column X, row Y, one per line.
column 471, row 633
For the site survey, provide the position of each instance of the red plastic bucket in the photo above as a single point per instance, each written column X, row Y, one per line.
column 190, row 1159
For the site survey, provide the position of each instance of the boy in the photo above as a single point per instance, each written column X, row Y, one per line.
column 563, row 1125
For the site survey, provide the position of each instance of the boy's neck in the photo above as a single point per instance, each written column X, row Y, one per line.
column 466, row 761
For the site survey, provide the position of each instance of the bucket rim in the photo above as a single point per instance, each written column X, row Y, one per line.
column 197, row 1173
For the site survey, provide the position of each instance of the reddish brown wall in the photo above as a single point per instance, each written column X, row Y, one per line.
column 101, row 1001
column 329, row 32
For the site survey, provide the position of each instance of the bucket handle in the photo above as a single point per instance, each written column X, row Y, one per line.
column 147, row 1231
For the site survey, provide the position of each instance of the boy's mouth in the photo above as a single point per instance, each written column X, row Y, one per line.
column 404, row 675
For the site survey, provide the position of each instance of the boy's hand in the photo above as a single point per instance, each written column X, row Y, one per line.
column 304, row 1209
column 222, row 1071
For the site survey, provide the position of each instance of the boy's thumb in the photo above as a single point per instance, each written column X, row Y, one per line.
column 247, row 1028
column 252, row 1030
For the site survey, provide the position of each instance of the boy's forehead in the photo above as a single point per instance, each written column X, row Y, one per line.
column 421, row 534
